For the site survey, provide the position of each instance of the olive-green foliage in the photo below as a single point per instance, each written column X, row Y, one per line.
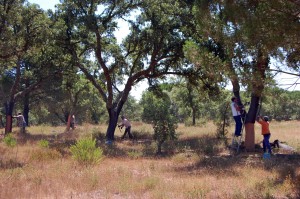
column 280, row 104
column 222, row 118
column 9, row 140
column 188, row 101
column 159, row 112
column 132, row 109
column 43, row 143
column 86, row 152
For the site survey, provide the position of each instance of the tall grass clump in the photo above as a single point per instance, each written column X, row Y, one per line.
column 10, row 141
column 85, row 151
column 43, row 143
column 208, row 145
column 45, row 154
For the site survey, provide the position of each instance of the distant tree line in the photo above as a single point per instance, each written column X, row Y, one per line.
column 278, row 104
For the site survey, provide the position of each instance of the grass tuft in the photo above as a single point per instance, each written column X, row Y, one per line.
column 85, row 151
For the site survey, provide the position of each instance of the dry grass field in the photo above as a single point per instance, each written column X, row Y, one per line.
column 195, row 166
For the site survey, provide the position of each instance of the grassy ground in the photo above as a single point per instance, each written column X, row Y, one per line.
column 195, row 166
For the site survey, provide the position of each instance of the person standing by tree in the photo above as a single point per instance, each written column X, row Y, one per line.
column 265, row 131
column 127, row 125
column 20, row 122
column 236, row 113
column 72, row 124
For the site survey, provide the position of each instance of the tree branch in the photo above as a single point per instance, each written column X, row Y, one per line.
column 285, row 72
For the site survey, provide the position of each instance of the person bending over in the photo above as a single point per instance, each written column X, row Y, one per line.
column 127, row 125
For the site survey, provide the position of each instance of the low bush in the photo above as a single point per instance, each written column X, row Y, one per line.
column 9, row 140
column 85, row 151
column 43, row 143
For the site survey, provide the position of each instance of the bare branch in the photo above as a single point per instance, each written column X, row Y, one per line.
column 285, row 72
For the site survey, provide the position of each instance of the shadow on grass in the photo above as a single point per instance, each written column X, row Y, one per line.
column 214, row 157
column 61, row 142
column 27, row 137
column 287, row 167
column 10, row 164
column 122, row 148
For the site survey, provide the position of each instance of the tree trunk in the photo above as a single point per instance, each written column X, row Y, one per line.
column 249, row 124
column 159, row 147
column 258, row 82
column 113, row 113
column 26, row 109
column 191, row 102
column 9, row 106
column 68, row 122
column 26, row 102
column 194, row 116
column 113, row 121
column 249, row 137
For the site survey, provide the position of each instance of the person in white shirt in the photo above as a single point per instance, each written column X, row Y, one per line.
column 72, row 123
column 127, row 125
column 20, row 122
column 236, row 116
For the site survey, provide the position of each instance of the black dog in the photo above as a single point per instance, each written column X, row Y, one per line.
column 275, row 144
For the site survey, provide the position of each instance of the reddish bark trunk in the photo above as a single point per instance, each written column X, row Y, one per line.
column 69, row 122
column 249, row 137
column 8, row 126
column 8, row 113
column 258, row 80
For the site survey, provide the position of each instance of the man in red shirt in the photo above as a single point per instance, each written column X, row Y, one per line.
column 265, row 131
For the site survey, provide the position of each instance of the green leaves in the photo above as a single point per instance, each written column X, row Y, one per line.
column 10, row 141
column 86, row 152
column 159, row 112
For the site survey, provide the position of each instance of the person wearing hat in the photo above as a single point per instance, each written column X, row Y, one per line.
column 265, row 131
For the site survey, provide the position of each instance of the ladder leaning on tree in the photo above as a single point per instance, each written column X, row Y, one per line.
column 237, row 140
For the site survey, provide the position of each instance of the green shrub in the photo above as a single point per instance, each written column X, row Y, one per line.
column 161, row 114
column 43, row 143
column 9, row 140
column 86, row 152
